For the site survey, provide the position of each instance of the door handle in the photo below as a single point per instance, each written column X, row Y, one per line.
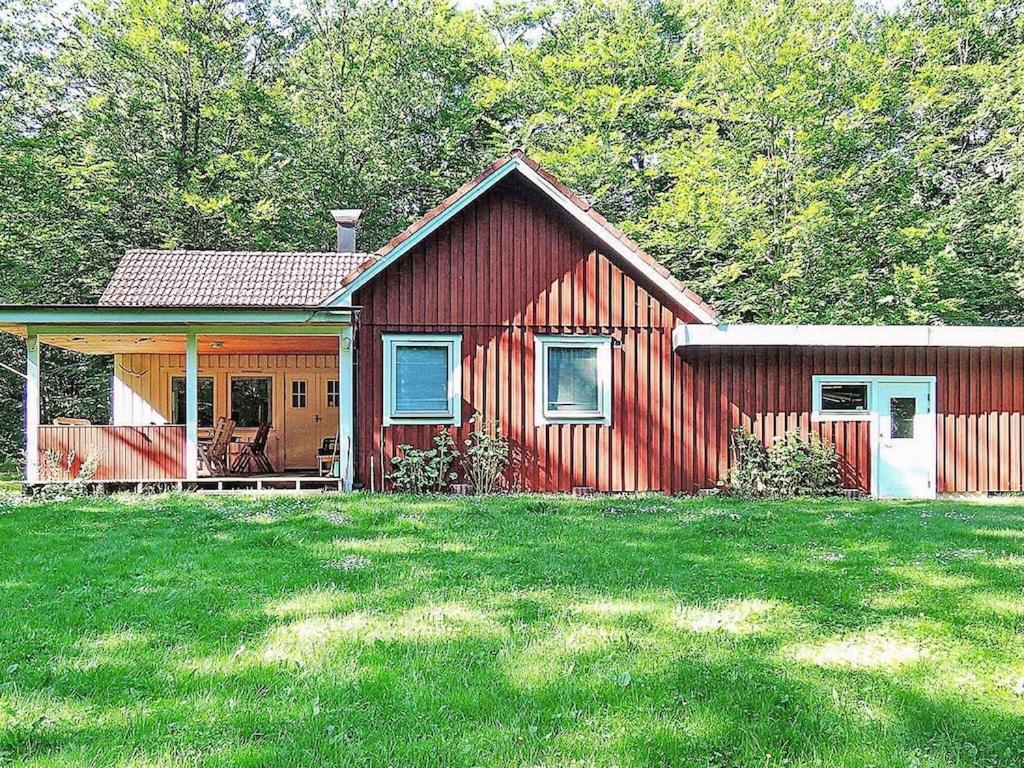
column 317, row 418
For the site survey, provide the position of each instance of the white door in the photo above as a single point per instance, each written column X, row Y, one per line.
column 905, row 443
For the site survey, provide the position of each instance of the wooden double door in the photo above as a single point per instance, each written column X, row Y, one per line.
column 311, row 414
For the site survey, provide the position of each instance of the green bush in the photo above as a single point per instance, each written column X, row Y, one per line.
column 425, row 471
column 792, row 466
column 487, row 455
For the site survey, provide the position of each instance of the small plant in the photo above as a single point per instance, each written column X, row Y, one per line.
column 793, row 466
column 486, row 456
column 58, row 469
column 425, row 471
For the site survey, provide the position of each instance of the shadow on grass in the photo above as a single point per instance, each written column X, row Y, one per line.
column 515, row 631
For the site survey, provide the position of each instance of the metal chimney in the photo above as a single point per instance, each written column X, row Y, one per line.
column 346, row 219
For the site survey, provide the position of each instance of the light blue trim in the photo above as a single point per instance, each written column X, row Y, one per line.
column 449, row 341
column 192, row 407
column 73, row 316
column 345, row 294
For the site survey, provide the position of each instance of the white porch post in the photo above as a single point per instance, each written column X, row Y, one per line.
column 191, row 406
column 346, row 407
column 32, row 409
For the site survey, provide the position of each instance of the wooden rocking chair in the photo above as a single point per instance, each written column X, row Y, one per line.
column 252, row 458
column 214, row 453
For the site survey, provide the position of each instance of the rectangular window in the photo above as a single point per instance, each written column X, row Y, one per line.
column 574, row 379
column 422, row 379
column 844, row 397
column 333, row 393
column 250, row 400
column 205, row 400
column 902, row 411
column 298, row 393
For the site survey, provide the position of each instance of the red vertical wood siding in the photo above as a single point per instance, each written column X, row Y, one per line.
column 125, row 453
column 505, row 269
column 511, row 266
column 979, row 408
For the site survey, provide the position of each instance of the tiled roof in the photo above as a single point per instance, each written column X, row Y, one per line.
column 258, row 278
column 154, row 278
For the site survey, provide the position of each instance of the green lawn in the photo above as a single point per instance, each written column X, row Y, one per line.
column 524, row 631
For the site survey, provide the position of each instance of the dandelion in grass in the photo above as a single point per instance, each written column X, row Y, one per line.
column 350, row 563
column 337, row 518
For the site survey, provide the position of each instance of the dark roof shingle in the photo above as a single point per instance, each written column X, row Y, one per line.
column 155, row 278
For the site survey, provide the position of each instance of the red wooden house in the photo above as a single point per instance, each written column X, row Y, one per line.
column 516, row 299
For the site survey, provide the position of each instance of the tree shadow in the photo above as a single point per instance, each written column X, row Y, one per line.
column 520, row 630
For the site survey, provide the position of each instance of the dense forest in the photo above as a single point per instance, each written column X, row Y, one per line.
column 791, row 161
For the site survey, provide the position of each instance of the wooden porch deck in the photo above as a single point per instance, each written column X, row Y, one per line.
column 285, row 482
column 150, row 457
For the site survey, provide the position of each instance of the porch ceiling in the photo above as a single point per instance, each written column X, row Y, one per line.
column 174, row 344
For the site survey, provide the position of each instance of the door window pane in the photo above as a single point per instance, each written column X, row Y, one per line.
column 333, row 393
column 298, row 394
column 421, row 379
column 902, row 411
column 205, row 400
column 250, row 401
column 844, row 397
column 572, row 380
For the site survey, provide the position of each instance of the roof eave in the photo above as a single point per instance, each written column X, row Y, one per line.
column 29, row 315
column 752, row 335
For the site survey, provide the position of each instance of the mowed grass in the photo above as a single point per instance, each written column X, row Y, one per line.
column 520, row 631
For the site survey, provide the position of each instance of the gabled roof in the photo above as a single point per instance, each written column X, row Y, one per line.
column 155, row 278
column 518, row 162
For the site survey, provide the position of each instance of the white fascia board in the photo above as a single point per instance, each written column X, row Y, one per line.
column 693, row 335
column 614, row 245
column 344, row 296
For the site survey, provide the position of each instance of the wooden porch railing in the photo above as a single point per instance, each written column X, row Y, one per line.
column 125, row 452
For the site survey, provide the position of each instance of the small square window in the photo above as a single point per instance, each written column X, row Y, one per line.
column 841, row 398
column 574, row 379
column 333, row 393
column 298, row 394
column 422, row 379
column 845, row 398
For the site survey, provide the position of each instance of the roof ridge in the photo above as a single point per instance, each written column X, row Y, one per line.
column 243, row 252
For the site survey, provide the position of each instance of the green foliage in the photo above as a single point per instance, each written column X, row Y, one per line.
column 792, row 162
column 791, row 467
column 425, row 471
column 487, row 455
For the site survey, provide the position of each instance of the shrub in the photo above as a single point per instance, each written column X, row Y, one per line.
column 58, row 470
column 425, row 471
column 792, row 466
column 487, row 455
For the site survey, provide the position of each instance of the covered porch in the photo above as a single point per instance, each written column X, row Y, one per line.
column 215, row 399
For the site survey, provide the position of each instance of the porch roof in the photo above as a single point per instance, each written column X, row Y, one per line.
column 99, row 329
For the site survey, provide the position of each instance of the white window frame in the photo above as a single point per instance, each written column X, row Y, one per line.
column 603, row 345
column 819, row 415
column 871, row 381
column 453, row 343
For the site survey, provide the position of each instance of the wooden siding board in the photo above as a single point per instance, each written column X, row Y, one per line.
column 124, row 452
column 511, row 268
